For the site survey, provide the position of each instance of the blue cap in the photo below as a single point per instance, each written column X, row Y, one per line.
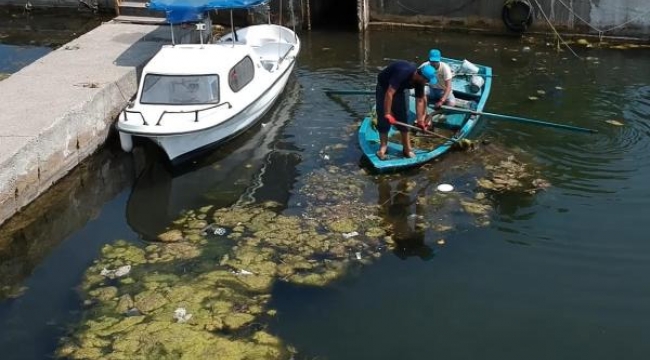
column 428, row 72
column 434, row 55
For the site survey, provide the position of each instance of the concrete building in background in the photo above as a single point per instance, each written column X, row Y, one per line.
column 596, row 17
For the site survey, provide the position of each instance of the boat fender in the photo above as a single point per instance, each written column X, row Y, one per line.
column 517, row 15
column 476, row 83
column 126, row 142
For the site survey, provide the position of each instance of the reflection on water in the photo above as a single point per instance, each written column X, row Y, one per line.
column 564, row 267
column 45, row 248
column 27, row 238
column 217, row 179
column 408, row 230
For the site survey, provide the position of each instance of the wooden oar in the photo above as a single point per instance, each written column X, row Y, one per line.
column 349, row 92
column 395, row 122
column 472, row 74
column 519, row 119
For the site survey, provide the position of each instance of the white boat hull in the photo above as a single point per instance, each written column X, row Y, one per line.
column 176, row 146
column 196, row 96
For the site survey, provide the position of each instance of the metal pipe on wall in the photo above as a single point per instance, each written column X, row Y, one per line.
column 308, row 16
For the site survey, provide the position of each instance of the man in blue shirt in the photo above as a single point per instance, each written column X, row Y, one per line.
column 392, row 94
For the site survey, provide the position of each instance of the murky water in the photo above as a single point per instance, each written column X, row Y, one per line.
column 557, row 274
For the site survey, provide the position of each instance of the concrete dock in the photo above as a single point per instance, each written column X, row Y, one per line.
column 60, row 109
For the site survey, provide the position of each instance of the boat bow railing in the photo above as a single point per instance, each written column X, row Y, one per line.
column 196, row 113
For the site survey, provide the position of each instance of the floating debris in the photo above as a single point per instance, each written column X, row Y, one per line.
column 533, row 98
column 541, row 92
column 242, row 272
column 445, row 187
column 214, row 229
column 132, row 312
column 541, row 184
column 614, row 122
column 511, row 175
column 559, row 88
column 181, row 315
column 350, row 234
column 119, row 272
column 440, row 242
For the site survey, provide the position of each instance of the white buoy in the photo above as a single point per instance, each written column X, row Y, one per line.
column 126, row 142
column 445, row 187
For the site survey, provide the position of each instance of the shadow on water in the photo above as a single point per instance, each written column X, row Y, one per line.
column 216, row 178
column 400, row 208
column 45, row 249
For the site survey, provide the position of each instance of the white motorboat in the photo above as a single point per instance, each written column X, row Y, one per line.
column 192, row 96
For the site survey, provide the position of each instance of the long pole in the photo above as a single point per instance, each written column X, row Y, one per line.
column 349, row 92
column 308, row 16
column 519, row 119
column 395, row 122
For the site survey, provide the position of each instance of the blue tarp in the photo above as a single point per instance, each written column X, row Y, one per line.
column 179, row 11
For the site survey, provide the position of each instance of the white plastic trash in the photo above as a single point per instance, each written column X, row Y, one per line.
column 445, row 187
column 468, row 68
column 476, row 83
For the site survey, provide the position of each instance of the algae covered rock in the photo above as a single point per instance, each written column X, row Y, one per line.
column 342, row 226
column 104, row 293
column 149, row 301
column 171, row 236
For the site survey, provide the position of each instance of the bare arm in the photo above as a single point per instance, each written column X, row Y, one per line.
column 445, row 95
column 420, row 109
column 388, row 101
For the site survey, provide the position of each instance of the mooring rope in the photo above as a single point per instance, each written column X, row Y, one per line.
column 555, row 31
column 601, row 31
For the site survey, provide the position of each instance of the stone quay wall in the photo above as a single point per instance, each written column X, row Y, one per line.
column 615, row 18
column 60, row 109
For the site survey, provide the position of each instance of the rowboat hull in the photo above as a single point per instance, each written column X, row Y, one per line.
column 463, row 124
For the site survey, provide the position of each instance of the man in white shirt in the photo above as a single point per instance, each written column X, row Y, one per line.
column 440, row 92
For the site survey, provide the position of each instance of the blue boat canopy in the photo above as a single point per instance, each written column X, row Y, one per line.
column 180, row 11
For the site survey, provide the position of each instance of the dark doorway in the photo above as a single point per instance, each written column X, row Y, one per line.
column 334, row 14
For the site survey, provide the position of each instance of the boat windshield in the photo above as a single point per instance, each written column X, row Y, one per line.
column 180, row 89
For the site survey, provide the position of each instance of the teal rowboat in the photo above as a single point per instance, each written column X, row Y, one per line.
column 473, row 92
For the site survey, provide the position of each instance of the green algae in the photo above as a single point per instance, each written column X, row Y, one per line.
column 225, row 296
column 223, row 279
column 511, row 175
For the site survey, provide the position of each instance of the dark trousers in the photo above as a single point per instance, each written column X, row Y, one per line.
column 399, row 109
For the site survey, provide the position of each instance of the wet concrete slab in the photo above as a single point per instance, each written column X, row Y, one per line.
column 60, row 109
